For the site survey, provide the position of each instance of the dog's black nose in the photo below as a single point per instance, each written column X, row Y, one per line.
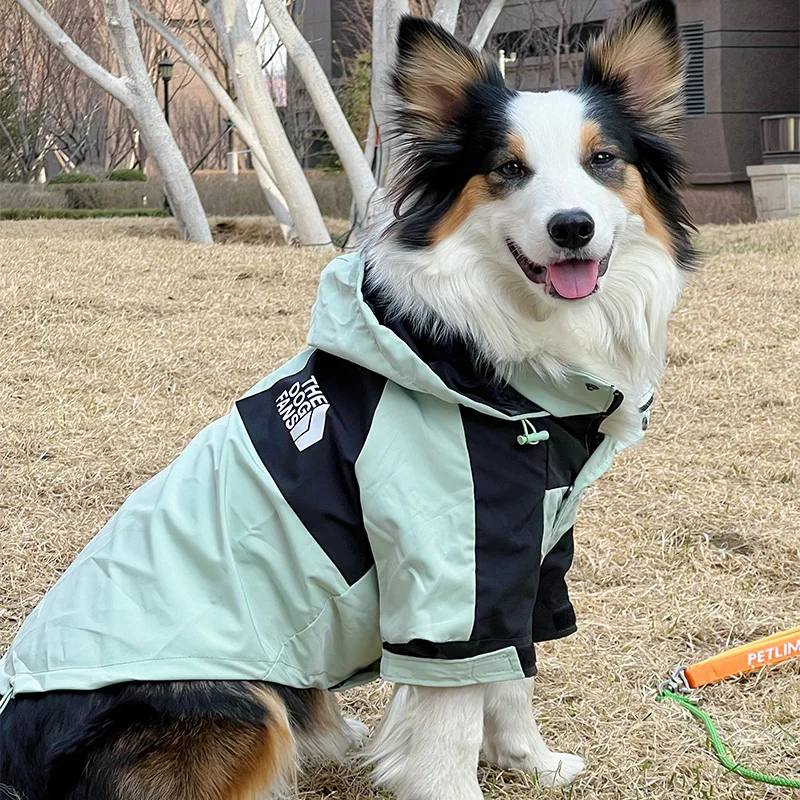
column 571, row 229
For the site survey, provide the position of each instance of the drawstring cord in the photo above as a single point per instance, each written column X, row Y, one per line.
column 530, row 434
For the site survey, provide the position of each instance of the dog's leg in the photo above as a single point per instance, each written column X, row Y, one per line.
column 512, row 739
column 428, row 743
column 320, row 730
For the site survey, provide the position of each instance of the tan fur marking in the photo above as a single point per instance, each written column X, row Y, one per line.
column 475, row 193
column 207, row 759
column 435, row 79
column 636, row 197
column 324, row 711
column 649, row 65
column 275, row 761
column 591, row 139
column 516, row 147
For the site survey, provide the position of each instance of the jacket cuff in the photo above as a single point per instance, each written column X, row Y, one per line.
column 500, row 665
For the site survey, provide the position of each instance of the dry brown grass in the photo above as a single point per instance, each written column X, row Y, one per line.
column 117, row 346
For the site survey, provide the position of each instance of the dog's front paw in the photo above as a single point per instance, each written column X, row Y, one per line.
column 551, row 769
column 357, row 732
column 451, row 791
column 561, row 769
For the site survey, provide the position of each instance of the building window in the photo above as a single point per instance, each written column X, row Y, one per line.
column 536, row 41
column 694, row 40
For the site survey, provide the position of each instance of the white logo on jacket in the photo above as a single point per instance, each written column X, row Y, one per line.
column 302, row 408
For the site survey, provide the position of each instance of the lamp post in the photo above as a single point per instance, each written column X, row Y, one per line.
column 504, row 59
column 165, row 69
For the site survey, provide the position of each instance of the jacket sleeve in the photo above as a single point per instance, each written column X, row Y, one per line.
column 553, row 614
column 457, row 588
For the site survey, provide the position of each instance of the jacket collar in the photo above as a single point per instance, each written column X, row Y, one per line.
column 350, row 320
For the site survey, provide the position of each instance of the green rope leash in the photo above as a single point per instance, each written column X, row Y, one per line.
column 719, row 746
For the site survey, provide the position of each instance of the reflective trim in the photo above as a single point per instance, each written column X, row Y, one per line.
column 6, row 700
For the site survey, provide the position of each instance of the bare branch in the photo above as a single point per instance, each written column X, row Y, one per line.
column 486, row 23
column 302, row 204
column 446, row 14
column 115, row 86
column 247, row 131
column 327, row 106
column 240, row 122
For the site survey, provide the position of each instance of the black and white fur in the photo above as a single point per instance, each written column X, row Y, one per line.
column 454, row 258
column 470, row 248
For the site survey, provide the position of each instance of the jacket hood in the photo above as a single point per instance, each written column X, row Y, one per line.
column 348, row 320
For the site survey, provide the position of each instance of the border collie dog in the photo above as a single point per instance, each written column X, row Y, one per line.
column 373, row 506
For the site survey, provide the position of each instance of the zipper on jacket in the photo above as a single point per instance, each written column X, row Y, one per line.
column 593, row 435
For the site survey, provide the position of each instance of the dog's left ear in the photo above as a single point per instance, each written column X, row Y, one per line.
column 433, row 74
column 643, row 62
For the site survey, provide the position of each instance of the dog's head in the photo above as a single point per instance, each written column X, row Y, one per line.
column 549, row 186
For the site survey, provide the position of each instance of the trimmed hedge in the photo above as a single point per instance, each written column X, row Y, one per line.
column 77, row 213
column 72, row 177
column 127, row 175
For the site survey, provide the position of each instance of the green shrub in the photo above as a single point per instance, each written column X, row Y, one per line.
column 222, row 197
column 72, row 177
column 127, row 175
column 33, row 195
column 109, row 195
column 77, row 213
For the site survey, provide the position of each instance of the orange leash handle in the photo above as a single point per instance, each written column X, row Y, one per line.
column 747, row 658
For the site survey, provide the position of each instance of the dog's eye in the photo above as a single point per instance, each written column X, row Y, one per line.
column 511, row 169
column 603, row 159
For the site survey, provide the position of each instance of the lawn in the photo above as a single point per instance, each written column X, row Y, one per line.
column 119, row 343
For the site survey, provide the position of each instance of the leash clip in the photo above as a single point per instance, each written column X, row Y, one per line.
column 676, row 682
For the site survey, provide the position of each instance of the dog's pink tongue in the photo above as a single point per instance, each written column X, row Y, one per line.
column 574, row 279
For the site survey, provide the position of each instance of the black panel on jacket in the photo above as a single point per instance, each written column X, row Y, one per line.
column 553, row 614
column 509, row 524
column 508, row 480
column 319, row 483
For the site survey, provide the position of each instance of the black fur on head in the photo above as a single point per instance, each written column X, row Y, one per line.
column 448, row 120
column 633, row 80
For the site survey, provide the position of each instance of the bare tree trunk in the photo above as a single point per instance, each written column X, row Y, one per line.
column 288, row 172
column 327, row 106
column 486, row 23
column 135, row 91
column 446, row 14
column 160, row 143
column 264, row 172
column 385, row 21
column 557, row 56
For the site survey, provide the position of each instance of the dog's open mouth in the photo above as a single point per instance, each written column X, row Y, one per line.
column 571, row 279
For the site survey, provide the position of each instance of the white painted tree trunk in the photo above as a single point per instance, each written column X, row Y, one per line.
column 288, row 172
column 135, row 91
column 180, row 188
column 327, row 106
column 446, row 14
column 486, row 23
column 385, row 21
column 264, row 172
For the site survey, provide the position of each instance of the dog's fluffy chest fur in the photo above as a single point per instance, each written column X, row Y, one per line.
column 619, row 335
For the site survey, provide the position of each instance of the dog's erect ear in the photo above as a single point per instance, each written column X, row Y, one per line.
column 642, row 60
column 433, row 73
